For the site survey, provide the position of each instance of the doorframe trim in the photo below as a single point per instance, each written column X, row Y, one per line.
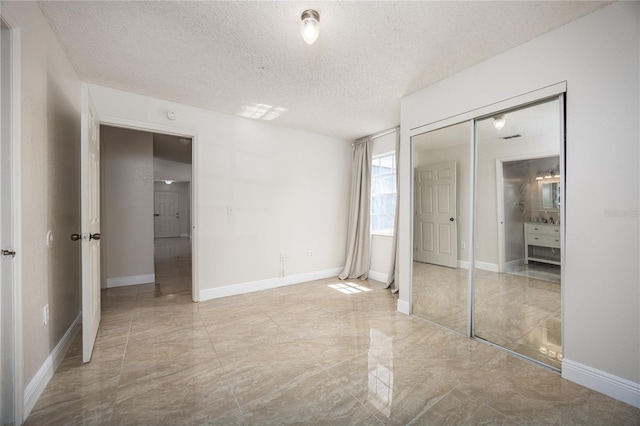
column 146, row 126
column 500, row 197
column 16, row 188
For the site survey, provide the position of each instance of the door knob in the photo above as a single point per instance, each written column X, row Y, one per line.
column 94, row 236
column 76, row 237
column 156, row 214
column 451, row 219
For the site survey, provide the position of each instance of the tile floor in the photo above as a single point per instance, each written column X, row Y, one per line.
column 324, row 352
column 517, row 312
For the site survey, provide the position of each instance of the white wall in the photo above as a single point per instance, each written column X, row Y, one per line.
column 598, row 57
column 184, row 203
column 171, row 170
column 127, row 206
column 49, row 170
column 288, row 192
column 381, row 245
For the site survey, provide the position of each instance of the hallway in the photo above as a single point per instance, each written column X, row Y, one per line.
column 323, row 352
column 172, row 262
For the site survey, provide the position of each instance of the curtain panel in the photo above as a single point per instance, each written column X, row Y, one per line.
column 392, row 275
column 359, row 231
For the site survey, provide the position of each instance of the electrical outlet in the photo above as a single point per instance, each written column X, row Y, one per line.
column 310, row 254
column 284, row 257
column 45, row 315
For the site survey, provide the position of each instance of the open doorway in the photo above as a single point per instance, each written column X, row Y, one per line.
column 138, row 167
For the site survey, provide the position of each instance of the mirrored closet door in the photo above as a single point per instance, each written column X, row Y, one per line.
column 498, row 179
column 517, row 273
column 442, row 170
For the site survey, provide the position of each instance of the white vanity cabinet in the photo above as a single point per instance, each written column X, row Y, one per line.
column 541, row 235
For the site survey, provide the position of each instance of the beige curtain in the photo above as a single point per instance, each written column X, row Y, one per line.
column 359, row 231
column 392, row 276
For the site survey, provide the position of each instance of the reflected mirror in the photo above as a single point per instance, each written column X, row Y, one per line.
column 441, row 167
column 549, row 193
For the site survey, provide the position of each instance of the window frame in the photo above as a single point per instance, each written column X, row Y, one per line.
column 394, row 173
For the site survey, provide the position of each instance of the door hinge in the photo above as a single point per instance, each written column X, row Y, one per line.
column 8, row 253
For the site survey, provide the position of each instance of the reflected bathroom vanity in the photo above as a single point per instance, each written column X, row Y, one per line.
column 537, row 235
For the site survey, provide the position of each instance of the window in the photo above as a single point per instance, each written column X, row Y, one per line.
column 383, row 194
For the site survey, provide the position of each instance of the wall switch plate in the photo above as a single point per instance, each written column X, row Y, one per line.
column 229, row 210
column 310, row 254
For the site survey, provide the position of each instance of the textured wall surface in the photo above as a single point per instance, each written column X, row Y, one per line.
column 50, row 170
column 127, row 202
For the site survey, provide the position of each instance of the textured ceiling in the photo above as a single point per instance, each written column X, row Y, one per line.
column 247, row 58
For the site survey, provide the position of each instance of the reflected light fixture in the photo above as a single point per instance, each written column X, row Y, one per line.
column 310, row 26
column 168, row 182
column 499, row 122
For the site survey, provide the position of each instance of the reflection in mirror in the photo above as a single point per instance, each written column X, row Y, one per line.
column 441, row 162
column 517, row 233
column 549, row 194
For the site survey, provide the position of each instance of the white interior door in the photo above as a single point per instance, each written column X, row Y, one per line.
column 167, row 214
column 90, row 188
column 435, row 232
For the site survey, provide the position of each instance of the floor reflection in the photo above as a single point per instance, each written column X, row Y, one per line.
column 380, row 393
column 518, row 312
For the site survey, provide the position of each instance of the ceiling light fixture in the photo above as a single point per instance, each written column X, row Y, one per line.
column 168, row 182
column 499, row 122
column 310, row 26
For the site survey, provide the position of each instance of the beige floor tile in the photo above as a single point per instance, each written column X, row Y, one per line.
column 390, row 385
column 458, row 408
column 317, row 400
column 529, row 394
column 311, row 354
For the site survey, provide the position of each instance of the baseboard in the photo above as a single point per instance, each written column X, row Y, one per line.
column 599, row 381
column 485, row 266
column 249, row 287
column 132, row 280
column 378, row 276
column 36, row 386
column 403, row 307
column 513, row 264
